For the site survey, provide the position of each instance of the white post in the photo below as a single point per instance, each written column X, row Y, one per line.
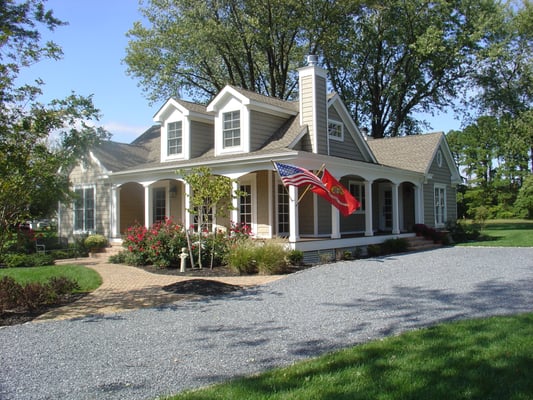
column 187, row 206
column 395, row 210
column 369, row 230
column 147, row 206
column 294, row 233
column 419, row 204
column 235, row 203
column 335, row 223
column 115, row 211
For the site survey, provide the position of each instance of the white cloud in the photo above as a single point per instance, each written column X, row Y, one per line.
column 124, row 133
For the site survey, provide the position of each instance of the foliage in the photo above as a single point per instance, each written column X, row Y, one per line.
column 15, row 260
column 119, row 258
column 524, row 200
column 295, row 257
column 33, row 295
column 267, row 257
column 462, row 232
column 373, row 250
column 475, row 359
column 395, row 245
column 386, row 61
column 95, row 242
column 208, row 193
column 33, row 170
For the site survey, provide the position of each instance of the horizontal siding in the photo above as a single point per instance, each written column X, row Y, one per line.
column 202, row 138
column 262, row 127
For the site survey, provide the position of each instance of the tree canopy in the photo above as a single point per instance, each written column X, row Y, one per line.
column 33, row 168
column 386, row 59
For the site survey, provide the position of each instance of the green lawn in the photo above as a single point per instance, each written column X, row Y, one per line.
column 87, row 278
column 477, row 359
column 506, row 233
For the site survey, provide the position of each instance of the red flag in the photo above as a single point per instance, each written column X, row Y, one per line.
column 337, row 194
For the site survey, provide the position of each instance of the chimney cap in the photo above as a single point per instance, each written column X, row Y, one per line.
column 312, row 60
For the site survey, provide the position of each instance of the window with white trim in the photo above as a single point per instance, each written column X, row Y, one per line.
column 84, row 215
column 440, row 205
column 357, row 190
column 283, row 210
column 174, row 138
column 245, row 205
column 231, row 129
column 159, row 205
column 335, row 130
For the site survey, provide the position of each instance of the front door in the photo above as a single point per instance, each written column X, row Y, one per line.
column 385, row 202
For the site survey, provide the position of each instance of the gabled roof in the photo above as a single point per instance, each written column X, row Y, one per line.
column 187, row 108
column 412, row 153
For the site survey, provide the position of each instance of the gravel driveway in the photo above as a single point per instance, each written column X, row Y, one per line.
column 146, row 353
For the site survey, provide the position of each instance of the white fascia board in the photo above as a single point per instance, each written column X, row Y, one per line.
column 220, row 98
column 95, row 160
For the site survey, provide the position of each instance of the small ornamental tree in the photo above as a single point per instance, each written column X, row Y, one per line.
column 209, row 193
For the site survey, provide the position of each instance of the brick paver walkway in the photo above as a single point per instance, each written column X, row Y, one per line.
column 128, row 288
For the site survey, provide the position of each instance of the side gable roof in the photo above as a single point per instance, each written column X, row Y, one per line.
column 412, row 153
column 187, row 108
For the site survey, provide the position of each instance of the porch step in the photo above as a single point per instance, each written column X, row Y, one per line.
column 111, row 250
column 419, row 243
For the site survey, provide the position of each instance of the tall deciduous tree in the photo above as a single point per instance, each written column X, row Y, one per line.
column 32, row 172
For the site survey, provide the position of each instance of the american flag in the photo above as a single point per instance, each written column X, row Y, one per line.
column 297, row 176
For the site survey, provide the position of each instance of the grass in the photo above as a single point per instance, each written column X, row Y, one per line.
column 476, row 359
column 506, row 233
column 87, row 279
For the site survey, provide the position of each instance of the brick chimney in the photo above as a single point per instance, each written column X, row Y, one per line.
column 313, row 103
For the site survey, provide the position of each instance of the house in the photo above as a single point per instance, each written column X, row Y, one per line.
column 400, row 182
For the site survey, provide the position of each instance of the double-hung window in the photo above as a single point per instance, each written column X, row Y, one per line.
column 440, row 206
column 231, row 129
column 174, row 138
column 84, row 209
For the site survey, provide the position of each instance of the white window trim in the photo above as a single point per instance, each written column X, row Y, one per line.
column 185, row 139
column 338, row 124
column 277, row 185
column 84, row 231
column 245, row 132
column 440, row 186
column 179, row 154
column 251, row 180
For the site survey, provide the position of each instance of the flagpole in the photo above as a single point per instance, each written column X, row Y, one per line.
column 309, row 186
column 286, row 189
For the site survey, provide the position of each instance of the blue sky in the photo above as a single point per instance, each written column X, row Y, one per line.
column 94, row 46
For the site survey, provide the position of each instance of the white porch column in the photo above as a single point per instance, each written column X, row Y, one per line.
column 369, row 229
column 335, row 223
column 294, row 233
column 147, row 205
column 395, row 210
column 419, row 212
column 115, row 211
column 187, row 206
column 234, row 215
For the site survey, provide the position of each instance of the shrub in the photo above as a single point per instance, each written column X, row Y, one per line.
column 10, row 293
column 119, row 258
column 95, row 242
column 398, row 245
column 373, row 250
column 271, row 257
column 27, row 260
column 463, row 232
column 296, row 257
column 33, row 295
column 241, row 258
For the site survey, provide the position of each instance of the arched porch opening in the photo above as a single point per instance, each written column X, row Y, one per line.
column 131, row 205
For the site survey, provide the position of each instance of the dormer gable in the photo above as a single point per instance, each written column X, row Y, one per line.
column 343, row 136
column 186, row 129
column 237, row 110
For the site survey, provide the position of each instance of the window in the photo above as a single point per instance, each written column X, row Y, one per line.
column 439, row 158
column 440, row 206
column 84, row 209
column 245, row 206
column 231, row 130
column 159, row 205
column 283, row 210
column 357, row 190
column 174, row 138
column 335, row 130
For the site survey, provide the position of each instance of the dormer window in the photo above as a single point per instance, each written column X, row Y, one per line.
column 335, row 130
column 174, row 138
column 231, row 131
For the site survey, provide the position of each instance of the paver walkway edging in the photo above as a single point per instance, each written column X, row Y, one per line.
column 128, row 288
